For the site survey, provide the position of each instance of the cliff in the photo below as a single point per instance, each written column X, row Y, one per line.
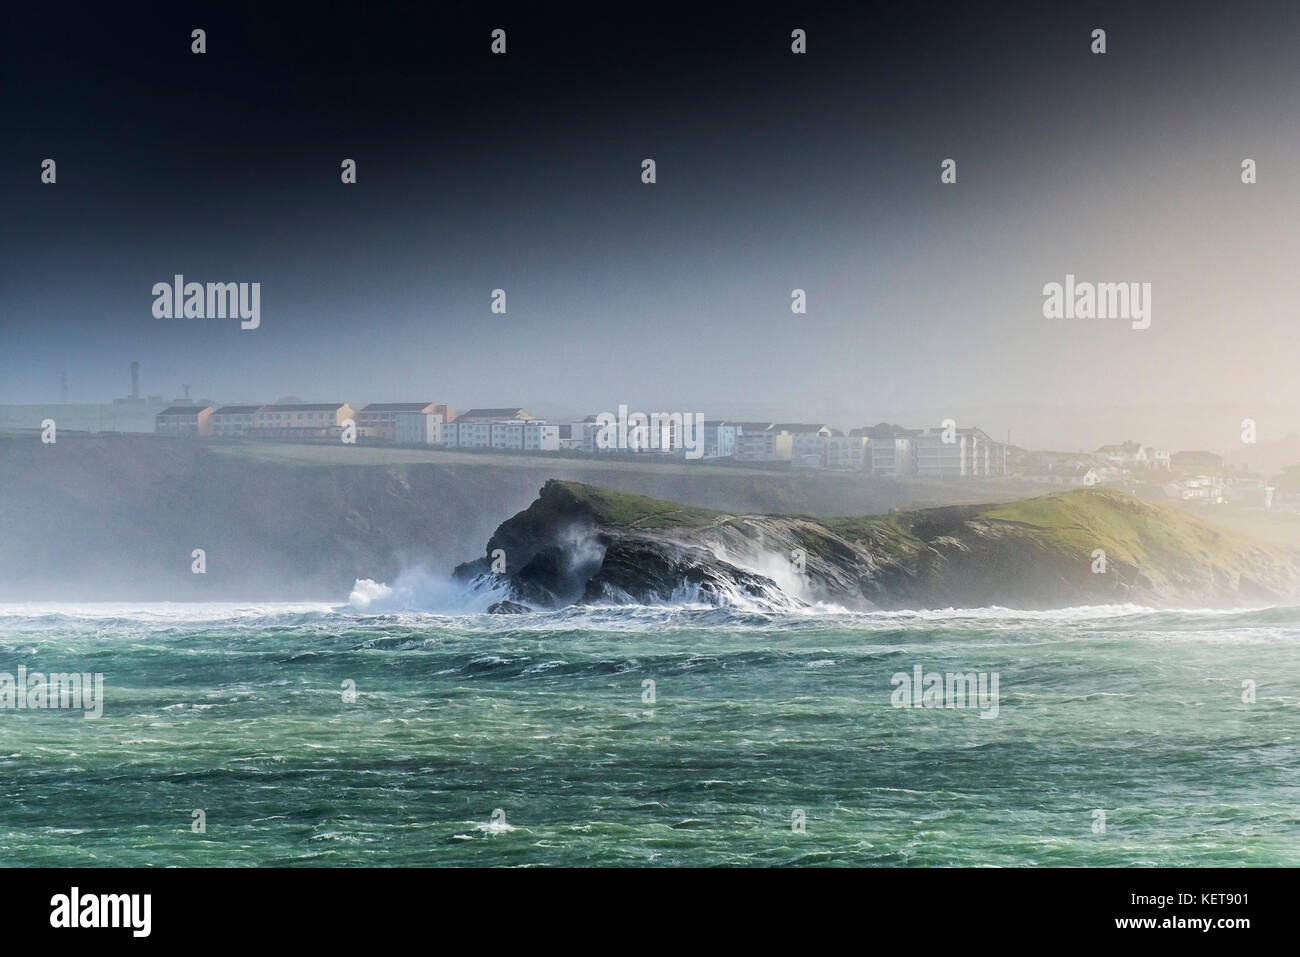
column 580, row 544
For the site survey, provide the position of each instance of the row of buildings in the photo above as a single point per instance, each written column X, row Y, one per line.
column 1194, row 476
column 886, row 450
column 1126, row 462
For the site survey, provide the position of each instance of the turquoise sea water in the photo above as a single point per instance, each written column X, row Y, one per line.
column 478, row 740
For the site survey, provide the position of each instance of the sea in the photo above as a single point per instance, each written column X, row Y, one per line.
column 313, row 734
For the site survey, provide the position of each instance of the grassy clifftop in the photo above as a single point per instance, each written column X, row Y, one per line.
column 622, row 510
column 1130, row 530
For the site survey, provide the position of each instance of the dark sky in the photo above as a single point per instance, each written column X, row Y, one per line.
column 775, row 171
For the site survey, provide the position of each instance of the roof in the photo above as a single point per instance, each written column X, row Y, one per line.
column 885, row 432
column 236, row 409
column 973, row 430
column 799, row 426
column 307, row 407
column 512, row 413
column 1130, row 447
column 184, row 409
column 397, row 407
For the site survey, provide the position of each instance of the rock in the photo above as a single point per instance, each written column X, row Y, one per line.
column 507, row 608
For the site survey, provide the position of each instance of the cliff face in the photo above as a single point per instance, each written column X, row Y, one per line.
column 579, row 544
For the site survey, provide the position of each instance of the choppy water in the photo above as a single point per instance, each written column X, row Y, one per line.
column 239, row 711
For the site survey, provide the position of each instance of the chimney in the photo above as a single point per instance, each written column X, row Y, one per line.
column 135, row 380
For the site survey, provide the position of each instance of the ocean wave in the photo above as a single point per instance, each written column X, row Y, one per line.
column 107, row 614
column 442, row 607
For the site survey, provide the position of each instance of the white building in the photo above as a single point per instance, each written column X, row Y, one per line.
column 720, row 439
column 1158, row 459
column 847, row 452
column 534, row 435
column 970, row 454
column 418, row 428
column 890, row 451
column 807, row 442
column 760, row 442
column 512, row 429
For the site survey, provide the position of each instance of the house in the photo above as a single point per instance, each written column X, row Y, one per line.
column 1158, row 459
column 1127, row 455
column 378, row 420
column 1083, row 477
column 300, row 420
column 188, row 421
column 231, row 421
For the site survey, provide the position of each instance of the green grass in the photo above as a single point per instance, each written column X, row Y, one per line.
column 1129, row 529
column 623, row 510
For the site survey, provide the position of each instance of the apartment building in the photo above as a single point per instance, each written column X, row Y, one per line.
column 233, row 421
column 418, row 428
column 969, row 454
column 891, row 450
column 761, row 442
column 300, row 421
column 186, row 421
column 378, row 420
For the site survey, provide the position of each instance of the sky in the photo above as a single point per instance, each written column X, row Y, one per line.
column 774, row 172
